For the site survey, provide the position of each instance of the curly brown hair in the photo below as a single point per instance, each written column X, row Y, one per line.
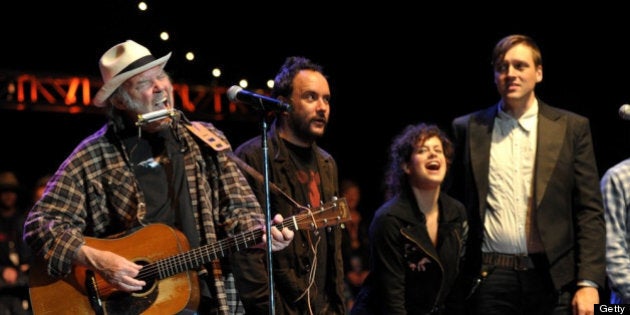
column 403, row 147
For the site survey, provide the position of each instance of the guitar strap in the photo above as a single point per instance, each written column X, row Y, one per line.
column 214, row 141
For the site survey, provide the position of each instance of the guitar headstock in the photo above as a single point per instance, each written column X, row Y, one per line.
column 331, row 213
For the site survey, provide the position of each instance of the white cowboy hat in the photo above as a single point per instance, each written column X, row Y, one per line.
column 122, row 62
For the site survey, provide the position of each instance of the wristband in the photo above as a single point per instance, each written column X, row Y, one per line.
column 587, row 283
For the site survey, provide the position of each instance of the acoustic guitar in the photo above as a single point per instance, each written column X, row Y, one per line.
column 169, row 268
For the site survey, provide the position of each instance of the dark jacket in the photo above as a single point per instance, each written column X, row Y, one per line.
column 293, row 264
column 408, row 275
column 570, row 215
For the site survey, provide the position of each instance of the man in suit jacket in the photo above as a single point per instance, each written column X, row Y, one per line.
column 527, row 174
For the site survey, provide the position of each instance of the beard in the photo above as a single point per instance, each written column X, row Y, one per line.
column 135, row 108
column 303, row 129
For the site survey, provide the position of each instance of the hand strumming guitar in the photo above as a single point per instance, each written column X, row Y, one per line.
column 115, row 269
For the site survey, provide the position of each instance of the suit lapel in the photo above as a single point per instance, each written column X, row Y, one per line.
column 548, row 148
column 480, row 139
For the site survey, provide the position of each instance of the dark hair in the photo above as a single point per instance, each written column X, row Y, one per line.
column 506, row 43
column 402, row 148
column 283, row 82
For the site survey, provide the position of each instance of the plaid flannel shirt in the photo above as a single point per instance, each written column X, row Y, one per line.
column 95, row 193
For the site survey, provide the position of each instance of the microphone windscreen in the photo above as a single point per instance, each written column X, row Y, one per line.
column 232, row 92
column 624, row 112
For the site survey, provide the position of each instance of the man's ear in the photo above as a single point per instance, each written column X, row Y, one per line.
column 117, row 103
column 284, row 100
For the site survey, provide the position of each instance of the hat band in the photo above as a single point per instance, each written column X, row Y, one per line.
column 137, row 64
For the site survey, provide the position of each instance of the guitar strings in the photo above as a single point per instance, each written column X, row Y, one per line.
column 220, row 249
column 170, row 266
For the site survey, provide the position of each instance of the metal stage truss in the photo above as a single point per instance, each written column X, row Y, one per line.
column 73, row 95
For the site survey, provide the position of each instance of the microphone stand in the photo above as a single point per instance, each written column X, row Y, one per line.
column 265, row 149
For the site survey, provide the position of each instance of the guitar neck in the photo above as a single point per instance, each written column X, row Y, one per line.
column 333, row 212
column 194, row 258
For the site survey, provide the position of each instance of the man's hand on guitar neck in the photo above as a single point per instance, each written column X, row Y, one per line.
column 118, row 271
column 280, row 239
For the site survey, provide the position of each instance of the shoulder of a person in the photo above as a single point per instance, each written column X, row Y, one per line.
column 464, row 118
column 622, row 167
column 250, row 145
column 95, row 137
column 324, row 154
column 98, row 141
column 208, row 125
column 450, row 200
column 395, row 207
column 384, row 208
column 385, row 217
column 544, row 107
column 453, row 206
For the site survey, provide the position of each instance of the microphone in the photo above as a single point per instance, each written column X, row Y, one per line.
column 260, row 102
column 624, row 112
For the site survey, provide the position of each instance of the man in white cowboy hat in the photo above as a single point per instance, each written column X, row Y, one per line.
column 119, row 179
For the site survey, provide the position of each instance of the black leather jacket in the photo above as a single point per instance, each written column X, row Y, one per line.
column 408, row 275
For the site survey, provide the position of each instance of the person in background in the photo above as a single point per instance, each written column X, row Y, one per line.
column 308, row 274
column 355, row 241
column 135, row 172
column 615, row 186
column 417, row 237
column 15, row 255
column 39, row 188
column 526, row 172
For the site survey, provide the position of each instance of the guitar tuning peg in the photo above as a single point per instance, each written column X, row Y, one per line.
column 334, row 198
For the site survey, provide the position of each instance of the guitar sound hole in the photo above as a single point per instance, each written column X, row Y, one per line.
column 149, row 278
column 138, row 301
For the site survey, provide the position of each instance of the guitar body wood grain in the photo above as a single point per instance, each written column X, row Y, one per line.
column 151, row 243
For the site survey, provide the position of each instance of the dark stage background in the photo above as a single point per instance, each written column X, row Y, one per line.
column 389, row 66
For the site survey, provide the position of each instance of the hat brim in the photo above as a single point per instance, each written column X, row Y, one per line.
column 110, row 86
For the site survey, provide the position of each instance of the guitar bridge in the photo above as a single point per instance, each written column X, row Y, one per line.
column 92, row 292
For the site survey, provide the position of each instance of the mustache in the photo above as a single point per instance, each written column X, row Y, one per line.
column 320, row 116
column 159, row 98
